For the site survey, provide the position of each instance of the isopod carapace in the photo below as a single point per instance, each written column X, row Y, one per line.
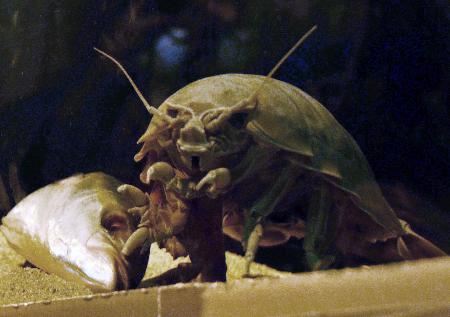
column 288, row 137
column 76, row 228
column 256, row 140
column 286, row 125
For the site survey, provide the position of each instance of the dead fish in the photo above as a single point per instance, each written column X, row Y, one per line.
column 75, row 228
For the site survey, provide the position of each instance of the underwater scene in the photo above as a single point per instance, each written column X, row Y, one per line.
column 148, row 143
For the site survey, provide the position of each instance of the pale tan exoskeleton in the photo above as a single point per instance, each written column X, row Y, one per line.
column 225, row 135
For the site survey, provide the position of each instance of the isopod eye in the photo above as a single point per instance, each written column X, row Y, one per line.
column 238, row 120
column 173, row 113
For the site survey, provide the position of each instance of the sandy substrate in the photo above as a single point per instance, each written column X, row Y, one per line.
column 24, row 284
column 20, row 284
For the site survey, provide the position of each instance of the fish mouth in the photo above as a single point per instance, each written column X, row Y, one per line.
column 109, row 270
column 113, row 277
column 125, row 271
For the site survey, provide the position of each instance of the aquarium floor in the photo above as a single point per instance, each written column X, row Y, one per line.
column 20, row 284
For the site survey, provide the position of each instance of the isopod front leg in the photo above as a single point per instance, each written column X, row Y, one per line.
column 251, row 247
column 254, row 218
column 219, row 180
column 147, row 231
column 164, row 173
column 216, row 182
column 153, row 227
column 135, row 194
column 321, row 227
column 135, row 241
column 142, row 204
column 160, row 171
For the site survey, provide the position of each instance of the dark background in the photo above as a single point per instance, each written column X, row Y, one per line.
column 381, row 67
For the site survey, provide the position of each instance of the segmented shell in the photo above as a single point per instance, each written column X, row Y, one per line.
column 289, row 119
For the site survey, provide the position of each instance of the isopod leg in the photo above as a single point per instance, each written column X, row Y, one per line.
column 165, row 174
column 136, row 240
column 321, row 228
column 137, row 195
column 254, row 160
column 252, row 247
column 254, row 218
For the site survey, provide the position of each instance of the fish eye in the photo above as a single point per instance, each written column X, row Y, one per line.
column 114, row 222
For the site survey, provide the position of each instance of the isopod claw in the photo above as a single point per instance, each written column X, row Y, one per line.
column 137, row 211
column 160, row 171
column 137, row 195
column 136, row 240
column 218, row 180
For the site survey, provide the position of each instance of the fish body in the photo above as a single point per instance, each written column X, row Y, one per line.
column 75, row 228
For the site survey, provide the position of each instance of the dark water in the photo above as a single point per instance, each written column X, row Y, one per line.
column 380, row 67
